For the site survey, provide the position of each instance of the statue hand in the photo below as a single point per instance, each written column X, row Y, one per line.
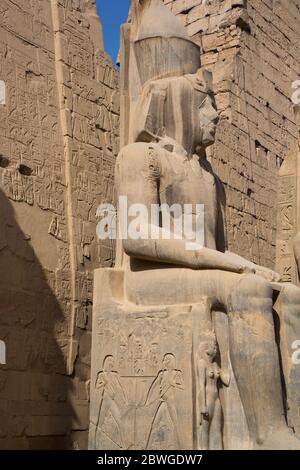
column 268, row 274
column 225, row 377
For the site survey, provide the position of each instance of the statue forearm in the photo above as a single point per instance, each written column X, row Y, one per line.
column 163, row 251
column 175, row 252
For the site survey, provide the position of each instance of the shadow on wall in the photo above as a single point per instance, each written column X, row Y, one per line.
column 35, row 409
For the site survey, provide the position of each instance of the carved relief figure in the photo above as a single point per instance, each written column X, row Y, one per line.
column 163, row 392
column 173, row 120
column 113, row 399
column 209, row 407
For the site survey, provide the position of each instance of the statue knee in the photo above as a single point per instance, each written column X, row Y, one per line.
column 289, row 299
column 290, row 294
column 251, row 294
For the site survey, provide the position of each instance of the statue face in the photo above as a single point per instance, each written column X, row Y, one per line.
column 178, row 108
column 211, row 349
column 208, row 120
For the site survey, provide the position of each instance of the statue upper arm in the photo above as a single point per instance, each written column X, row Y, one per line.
column 138, row 174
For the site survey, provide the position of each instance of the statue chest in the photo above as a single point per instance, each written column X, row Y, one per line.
column 184, row 181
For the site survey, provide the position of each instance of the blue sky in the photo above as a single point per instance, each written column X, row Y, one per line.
column 113, row 13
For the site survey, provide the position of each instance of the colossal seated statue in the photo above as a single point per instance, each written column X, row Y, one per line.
column 204, row 290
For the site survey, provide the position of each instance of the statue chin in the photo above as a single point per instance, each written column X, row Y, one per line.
column 208, row 136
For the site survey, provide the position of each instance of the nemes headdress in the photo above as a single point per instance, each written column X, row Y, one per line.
column 162, row 46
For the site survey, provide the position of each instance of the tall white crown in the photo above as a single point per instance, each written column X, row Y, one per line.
column 162, row 46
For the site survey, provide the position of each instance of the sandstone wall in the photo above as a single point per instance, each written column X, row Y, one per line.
column 253, row 49
column 59, row 138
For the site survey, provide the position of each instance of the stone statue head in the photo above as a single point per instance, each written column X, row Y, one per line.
column 174, row 98
column 208, row 347
column 182, row 109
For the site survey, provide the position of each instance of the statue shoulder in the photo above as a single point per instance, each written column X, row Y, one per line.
column 140, row 156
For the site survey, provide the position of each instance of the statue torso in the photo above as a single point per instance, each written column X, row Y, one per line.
column 184, row 181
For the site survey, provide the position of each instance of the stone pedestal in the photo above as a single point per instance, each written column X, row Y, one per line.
column 147, row 394
column 144, row 386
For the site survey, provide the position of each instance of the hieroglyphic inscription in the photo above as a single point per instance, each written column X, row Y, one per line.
column 141, row 394
column 287, row 224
